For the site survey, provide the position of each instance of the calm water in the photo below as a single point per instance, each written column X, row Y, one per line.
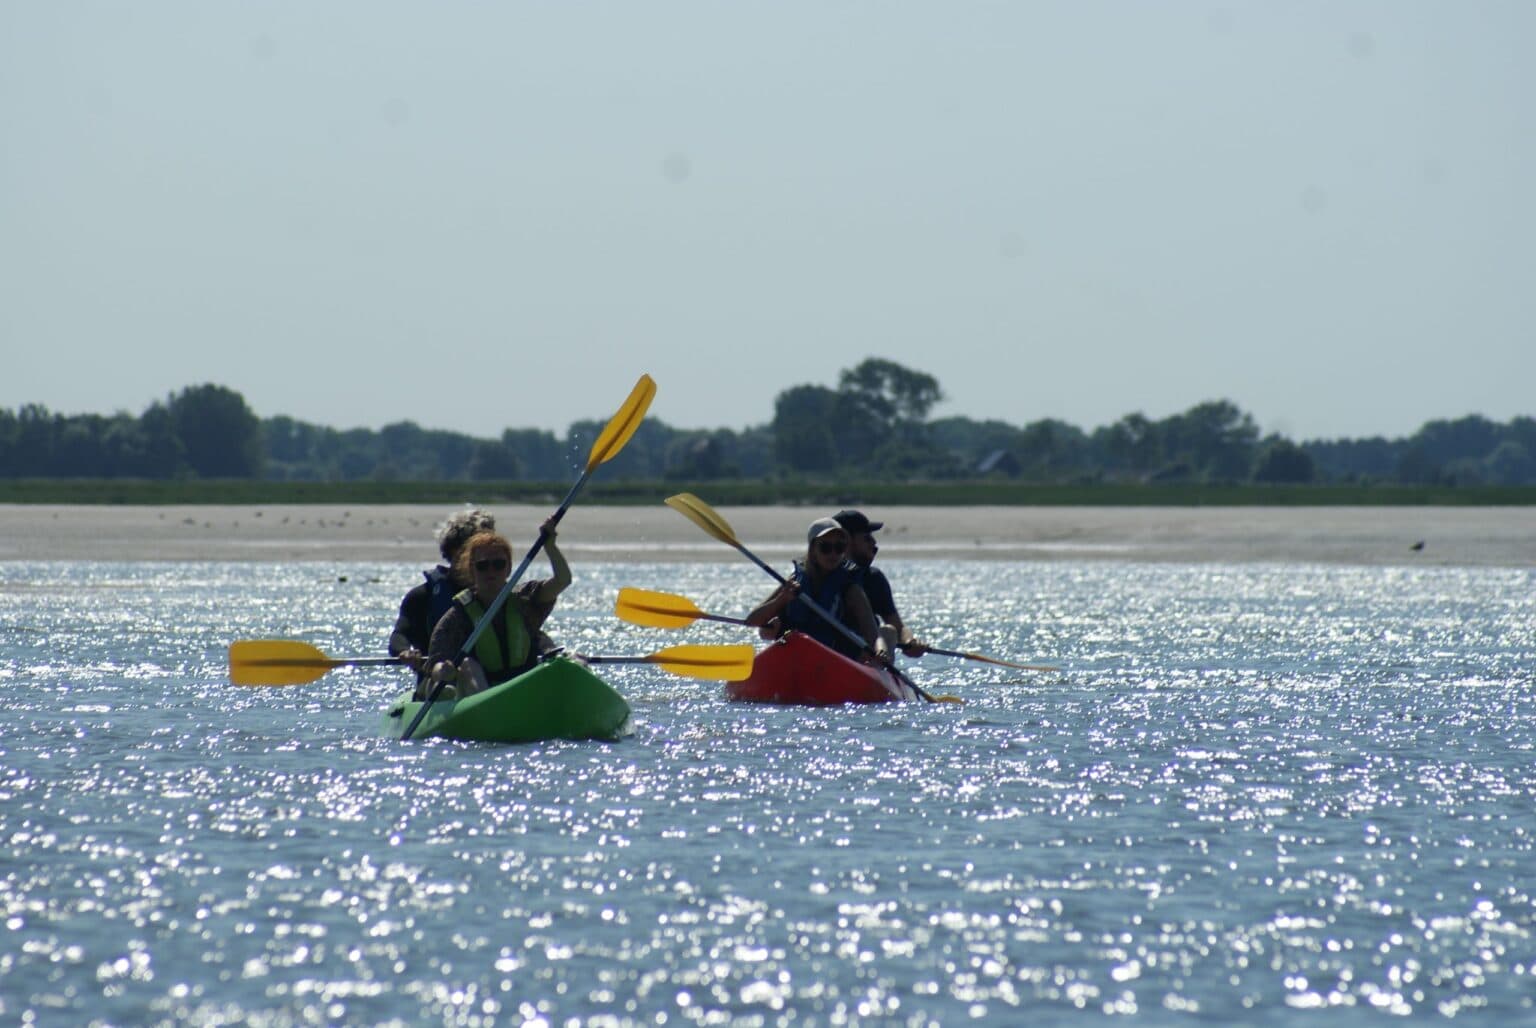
column 1253, row 792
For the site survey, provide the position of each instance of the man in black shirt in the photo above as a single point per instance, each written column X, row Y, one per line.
column 861, row 551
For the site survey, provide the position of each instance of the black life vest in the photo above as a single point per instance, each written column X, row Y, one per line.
column 828, row 594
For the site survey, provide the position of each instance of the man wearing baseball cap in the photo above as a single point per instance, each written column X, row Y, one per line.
column 861, row 552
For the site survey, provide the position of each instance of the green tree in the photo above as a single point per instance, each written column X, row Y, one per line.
column 77, row 449
column 969, row 441
column 10, row 432
column 1463, row 471
column 1510, row 463
column 164, row 456
column 889, row 392
column 1051, row 448
column 1355, row 460
column 1215, row 438
column 873, row 422
column 220, row 435
column 541, row 455
column 1473, row 437
column 1282, row 461
column 1414, row 467
column 404, row 451
column 494, row 460
column 299, row 451
column 36, row 437
column 1522, row 431
column 353, row 454
column 1133, row 443
column 699, row 456
column 804, row 428
column 914, row 455
column 752, row 451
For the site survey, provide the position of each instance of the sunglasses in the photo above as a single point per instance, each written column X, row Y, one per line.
column 832, row 547
column 492, row 564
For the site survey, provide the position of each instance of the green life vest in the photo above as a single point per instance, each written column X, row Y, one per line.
column 505, row 649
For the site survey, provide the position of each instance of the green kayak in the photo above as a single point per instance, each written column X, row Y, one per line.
column 559, row 699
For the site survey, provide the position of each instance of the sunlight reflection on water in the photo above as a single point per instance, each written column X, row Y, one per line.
column 1252, row 792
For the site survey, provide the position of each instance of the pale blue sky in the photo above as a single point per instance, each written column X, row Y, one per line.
column 352, row 211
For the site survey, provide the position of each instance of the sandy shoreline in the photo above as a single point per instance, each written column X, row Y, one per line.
column 1471, row 536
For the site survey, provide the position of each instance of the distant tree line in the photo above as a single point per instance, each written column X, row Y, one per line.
column 873, row 424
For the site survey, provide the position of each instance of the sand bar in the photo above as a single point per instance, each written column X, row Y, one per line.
column 1464, row 536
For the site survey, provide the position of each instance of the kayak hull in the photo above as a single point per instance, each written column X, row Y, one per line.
column 558, row 699
column 797, row 670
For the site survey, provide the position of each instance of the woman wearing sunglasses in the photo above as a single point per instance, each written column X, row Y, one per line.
column 514, row 641
column 827, row 578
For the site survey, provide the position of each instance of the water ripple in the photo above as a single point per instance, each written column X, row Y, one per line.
column 1252, row 793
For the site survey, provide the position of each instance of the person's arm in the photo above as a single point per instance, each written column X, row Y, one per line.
column 551, row 588
column 878, row 589
column 447, row 639
column 909, row 643
column 401, row 644
column 773, row 606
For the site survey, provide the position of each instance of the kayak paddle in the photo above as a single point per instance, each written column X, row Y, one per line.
column 668, row 610
column 991, row 660
column 287, row 662
column 703, row 515
column 663, row 610
column 720, row 663
column 609, row 442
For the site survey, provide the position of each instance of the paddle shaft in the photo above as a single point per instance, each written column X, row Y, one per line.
column 721, row 618
column 991, row 660
column 322, row 661
column 665, row 657
column 591, row 659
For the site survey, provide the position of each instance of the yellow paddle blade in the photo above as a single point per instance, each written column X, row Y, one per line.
column 722, row 663
column 718, row 663
column 287, row 662
column 703, row 515
column 276, row 662
column 656, row 610
column 623, row 424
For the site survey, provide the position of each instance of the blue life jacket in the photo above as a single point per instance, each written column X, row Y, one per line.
column 828, row 594
column 440, row 593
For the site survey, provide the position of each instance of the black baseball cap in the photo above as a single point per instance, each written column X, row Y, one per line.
column 856, row 523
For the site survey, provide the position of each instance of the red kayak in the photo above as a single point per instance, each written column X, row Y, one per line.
column 799, row 670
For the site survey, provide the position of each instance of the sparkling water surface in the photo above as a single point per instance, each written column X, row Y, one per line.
column 1251, row 793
